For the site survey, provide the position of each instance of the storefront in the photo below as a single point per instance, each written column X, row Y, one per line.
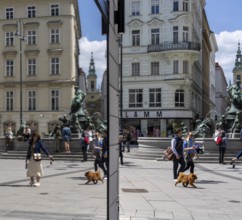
column 156, row 123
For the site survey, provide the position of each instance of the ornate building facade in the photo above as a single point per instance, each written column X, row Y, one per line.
column 162, row 65
column 38, row 60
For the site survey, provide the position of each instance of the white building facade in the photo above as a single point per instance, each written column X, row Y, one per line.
column 38, row 60
column 162, row 73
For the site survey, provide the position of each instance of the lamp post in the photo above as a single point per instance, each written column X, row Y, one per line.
column 19, row 34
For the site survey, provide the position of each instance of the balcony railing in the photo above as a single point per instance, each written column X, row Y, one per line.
column 174, row 46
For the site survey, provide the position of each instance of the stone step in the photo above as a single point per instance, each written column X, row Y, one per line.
column 73, row 156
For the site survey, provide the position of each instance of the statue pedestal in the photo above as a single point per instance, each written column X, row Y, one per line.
column 233, row 135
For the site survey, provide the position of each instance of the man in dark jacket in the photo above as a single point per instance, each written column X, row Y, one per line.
column 177, row 148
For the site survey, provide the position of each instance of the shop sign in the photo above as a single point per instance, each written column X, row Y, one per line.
column 142, row 114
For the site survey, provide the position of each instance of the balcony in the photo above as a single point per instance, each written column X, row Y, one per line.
column 166, row 46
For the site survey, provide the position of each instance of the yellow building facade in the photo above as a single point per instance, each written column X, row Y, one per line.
column 38, row 61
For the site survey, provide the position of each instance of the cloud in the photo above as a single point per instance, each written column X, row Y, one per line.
column 227, row 50
column 99, row 54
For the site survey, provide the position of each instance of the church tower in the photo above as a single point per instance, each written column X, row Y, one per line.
column 93, row 95
column 237, row 71
column 92, row 77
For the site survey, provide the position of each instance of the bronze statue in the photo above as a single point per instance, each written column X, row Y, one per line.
column 77, row 103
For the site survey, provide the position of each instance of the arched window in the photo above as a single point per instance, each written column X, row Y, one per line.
column 179, row 98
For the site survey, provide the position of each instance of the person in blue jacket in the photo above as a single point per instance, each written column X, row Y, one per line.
column 33, row 159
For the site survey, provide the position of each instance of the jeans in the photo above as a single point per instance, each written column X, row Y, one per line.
column 221, row 154
column 99, row 162
column 84, row 152
column 176, row 162
column 190, row 164
column 239, row 154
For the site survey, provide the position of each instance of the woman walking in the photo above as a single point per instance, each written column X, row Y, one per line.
column 33, row 159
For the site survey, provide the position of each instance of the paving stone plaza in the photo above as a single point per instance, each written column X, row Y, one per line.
column 147, row 191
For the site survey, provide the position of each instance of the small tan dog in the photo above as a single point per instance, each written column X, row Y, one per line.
column 186, row 179
column 93, row 176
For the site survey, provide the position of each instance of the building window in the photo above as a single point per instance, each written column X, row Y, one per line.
column 175, row 66
column 9, row 68
column 185, row 5
column 135, row 98
column 179, row 98
column 135, row 37
column 92, row 85
column 155, row 68
column 54, row 36
column 185, row 66
column 135, row 8
column 238, row 78
column 9, row 101
column 155, row 36
column 155, row 97
column 9, row 13
column 32, row 100
column 175, row 34
column 185, row 34
column 9, row 39
column 31, row 67
column 135, row 69
column 54, row 10
column 175, row 5
column 55, row 100
column 31, row 11
column 155, row 7
column 31, row 37
column 55, row 66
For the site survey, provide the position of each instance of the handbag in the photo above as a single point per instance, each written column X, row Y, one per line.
column 168, row 153
column 37, row 156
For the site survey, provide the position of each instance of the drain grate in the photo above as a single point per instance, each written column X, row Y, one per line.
column 135, row 190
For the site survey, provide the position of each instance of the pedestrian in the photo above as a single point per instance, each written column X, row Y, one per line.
column 238, row 155
column 177, row 148
column 8, row 139
column 98, row 149
column 218, row 132
column 33, row 159
column 222, row 148
column 26, row 133
column 84, row 141
column 105, row 150
column 128, row 139
column 66, row 135
column 121, row 149
column 190, row 151
column 57, row 135
column 90, row 136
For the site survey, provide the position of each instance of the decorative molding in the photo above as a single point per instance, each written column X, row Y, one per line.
column 9, row 27
column 135, row 23
column 155, row 21
column 9, row 54
column 33, row 24
column 54, row 24
column 33, row 52
column 56, row 51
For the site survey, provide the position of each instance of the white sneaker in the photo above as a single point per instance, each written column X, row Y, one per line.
column 37, row 184
column 175, row 180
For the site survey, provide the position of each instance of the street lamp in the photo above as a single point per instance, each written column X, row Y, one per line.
column 19, row 34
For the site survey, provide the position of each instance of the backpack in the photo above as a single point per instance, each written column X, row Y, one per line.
column 86, row 140
column 219, row 140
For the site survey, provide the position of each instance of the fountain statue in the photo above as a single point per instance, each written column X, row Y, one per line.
column 230, row 121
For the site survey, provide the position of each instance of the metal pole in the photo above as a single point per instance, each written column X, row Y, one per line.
column 21, row 79
column 19, row 34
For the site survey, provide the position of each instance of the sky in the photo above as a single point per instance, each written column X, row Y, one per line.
column 224, row 18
